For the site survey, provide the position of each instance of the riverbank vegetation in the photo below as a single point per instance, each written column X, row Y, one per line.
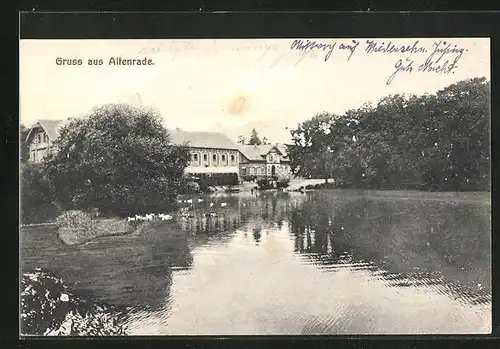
column 49, row 308
column 37, row 195
column 117, row 159
column 266, row 184
column 434, row 142
column 77, row 227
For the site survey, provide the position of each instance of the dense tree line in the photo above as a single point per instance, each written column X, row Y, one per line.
column 118, row 159
column 435, row 141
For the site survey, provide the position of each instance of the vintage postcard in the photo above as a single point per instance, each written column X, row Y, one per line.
column 255, row 187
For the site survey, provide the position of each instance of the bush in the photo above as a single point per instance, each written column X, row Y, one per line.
column 190, row 187
column 264, row 184
column 38, row 203
column 283, row 183
column 49, row 308
column 249, row 178
column 329, row 185
column 77, row 227
column 74, row 219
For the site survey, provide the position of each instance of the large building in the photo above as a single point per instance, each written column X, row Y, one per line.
column 214, row 157
column 261, row 161
column 40, row 138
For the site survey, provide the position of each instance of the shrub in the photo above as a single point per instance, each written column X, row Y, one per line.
column 74, row 219
column 329, row 185
column 248, row 178
column 283, row 183
column 265, row 184
column 37, row 197
column 190, row 187
column 49, row 308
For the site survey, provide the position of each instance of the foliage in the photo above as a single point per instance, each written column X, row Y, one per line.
column 118, row 159
column 49, row 308
column 37, row 195
column 241, row 140
column 282, row 183
column 249, row 178
column 311, row 151
column 23, row 146
column 254, row 138
column 330, row 185
column 191, row 187
column 74, row 219
column 266, row 183
column 430, row 142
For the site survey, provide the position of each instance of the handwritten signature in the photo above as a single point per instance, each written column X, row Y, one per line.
column 434, row 63
column 443, row 56
column 307, row 46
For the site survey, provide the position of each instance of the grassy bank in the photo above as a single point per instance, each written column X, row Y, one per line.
column 77, row 227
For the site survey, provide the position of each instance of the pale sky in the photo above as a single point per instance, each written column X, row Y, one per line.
column 228, row 85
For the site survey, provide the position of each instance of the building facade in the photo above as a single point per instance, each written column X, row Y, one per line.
column 263, row 161
column 40, row 138
column 214, row 157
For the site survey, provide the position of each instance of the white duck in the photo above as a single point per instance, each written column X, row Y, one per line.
column 166, row 217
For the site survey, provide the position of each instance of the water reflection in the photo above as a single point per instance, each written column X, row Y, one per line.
column 407, row 242
column 335, row 262
column 132, row 271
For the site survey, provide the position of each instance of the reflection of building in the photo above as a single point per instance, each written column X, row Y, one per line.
column 267, row 160
column 40, row 138
column 214, row 157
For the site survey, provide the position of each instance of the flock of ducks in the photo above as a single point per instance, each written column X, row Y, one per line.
column 149, row 217
column 184, row 212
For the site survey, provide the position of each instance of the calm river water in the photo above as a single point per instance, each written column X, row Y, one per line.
column 324, row 262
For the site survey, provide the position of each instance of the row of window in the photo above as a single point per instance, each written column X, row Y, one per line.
column 42, row 138
column 216, row 160
column 37, row 156
column 255, row 171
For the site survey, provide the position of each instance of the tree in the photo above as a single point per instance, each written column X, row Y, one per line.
column 311, row 152
column 430, row 142
column 265, row 141
column 118, row 159
column 37, row 198
column 254, row 138
column 23, row 147
column 241, row 139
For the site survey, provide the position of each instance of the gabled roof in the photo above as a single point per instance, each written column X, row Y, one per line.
column 259, row 152
column 254, row 152
column 197, row 139
column 282, row 149
column 49, row 126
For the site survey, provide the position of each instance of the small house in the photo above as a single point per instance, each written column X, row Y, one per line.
column 40, row 138
column 264, row 161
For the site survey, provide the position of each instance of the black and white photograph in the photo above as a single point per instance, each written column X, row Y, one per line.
column 223, row 187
